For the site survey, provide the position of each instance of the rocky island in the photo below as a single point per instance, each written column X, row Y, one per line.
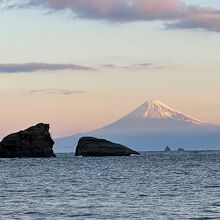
column 167, row 149
column 35, row 141
column 180, row 150
column 90, row 146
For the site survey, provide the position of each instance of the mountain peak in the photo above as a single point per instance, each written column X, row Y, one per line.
column 155, row 109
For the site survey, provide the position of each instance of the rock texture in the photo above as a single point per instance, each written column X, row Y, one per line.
column 167, row 149
column 35, row 141
column 90, row 146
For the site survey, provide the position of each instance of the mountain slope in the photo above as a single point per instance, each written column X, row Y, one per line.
column 153, row 116
column 152, row 126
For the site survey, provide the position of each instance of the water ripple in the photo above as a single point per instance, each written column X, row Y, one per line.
column 151, row 186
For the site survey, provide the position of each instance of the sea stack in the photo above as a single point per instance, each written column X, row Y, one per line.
column 90, row 146
column 167, row 149
column 35, row 141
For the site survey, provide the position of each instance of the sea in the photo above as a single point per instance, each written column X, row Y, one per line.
column 154, row 185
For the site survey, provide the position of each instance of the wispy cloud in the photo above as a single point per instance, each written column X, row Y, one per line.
column 175, row 13
column 33, row 67
column 143, row 66
column 13, row 68
column 111, row 66
column 52, row 92
column 138, row 66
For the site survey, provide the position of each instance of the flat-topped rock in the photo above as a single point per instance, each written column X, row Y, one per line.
column 90, row 146
column 35, row 141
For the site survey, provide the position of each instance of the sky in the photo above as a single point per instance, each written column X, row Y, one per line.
column 81, row 64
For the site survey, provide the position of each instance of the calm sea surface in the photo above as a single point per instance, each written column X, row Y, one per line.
column 150, row 186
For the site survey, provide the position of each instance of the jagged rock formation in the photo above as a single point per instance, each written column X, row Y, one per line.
column 167, row 149
column 35, row 141
column 90, row 146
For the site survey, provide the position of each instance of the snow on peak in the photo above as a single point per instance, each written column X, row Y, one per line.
column 154, row 109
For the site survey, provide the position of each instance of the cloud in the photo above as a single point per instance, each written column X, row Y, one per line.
column 138, row 66
column 52, row 92
column 175, row 13
column 112, row 66
column 33, row 67
column 144, row 66
column 13, row 68
column 209, row 20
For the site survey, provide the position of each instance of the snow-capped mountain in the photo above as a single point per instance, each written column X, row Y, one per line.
column 152, row 126
column 153, row 116
column 157, row 110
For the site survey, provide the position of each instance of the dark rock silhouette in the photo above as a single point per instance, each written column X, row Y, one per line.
column 167, row 149
column 35, row 141
column 180, row 150
column 90, row 146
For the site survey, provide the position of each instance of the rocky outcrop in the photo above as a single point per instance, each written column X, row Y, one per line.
column 180, row 150
column 35, row 141
column 90, row 146
column 167, row 149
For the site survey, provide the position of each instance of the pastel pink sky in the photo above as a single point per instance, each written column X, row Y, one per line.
column 79, row 65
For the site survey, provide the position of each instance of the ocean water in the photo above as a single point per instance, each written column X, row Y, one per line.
column 151, row 186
